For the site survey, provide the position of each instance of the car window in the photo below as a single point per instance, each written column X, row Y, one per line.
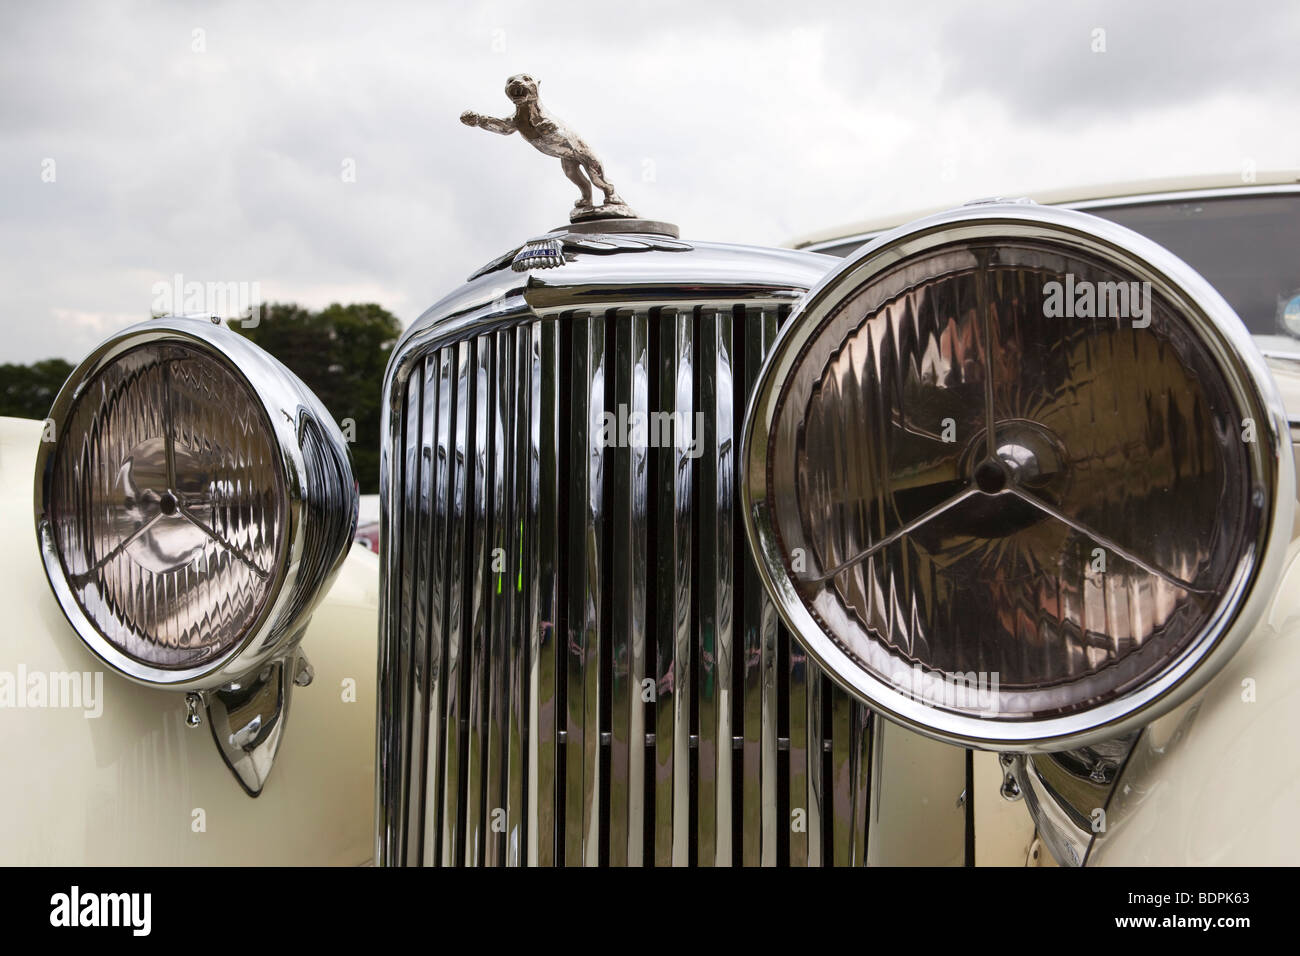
column 1248, row 247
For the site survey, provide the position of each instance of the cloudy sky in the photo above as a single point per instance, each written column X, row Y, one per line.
column 314, row 148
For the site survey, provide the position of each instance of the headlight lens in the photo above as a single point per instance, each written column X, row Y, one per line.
column 996, row 508
column 194, row 504
column 168, row 505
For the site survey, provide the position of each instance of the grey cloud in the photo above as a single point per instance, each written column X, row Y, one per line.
column 1040, row 62
column 759, row 121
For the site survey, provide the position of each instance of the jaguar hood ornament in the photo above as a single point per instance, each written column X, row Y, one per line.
column 550, row 136
column 609, row 228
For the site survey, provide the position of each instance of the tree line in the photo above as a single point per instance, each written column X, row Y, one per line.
column 340, row 352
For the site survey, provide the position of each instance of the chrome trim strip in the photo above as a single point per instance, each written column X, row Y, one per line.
column 1183, row 195
column 1279, row 348
column 1083, row 205
column 716, row 273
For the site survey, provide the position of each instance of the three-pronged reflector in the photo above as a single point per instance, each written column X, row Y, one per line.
column 167, row 505
column 1072, row 552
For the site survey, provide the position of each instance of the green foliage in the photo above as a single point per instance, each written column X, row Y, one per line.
column 341, row 353
column 27, row 391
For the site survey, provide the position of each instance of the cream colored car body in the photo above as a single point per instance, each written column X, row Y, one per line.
column 135, row 785
column 1217, row 780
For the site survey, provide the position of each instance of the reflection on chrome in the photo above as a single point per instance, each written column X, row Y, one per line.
column 632, row 572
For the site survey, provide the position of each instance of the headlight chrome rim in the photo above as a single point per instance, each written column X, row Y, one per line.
column 1230, row 347
column 289, row 410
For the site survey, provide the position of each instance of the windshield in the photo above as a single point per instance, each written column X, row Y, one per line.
column 1248, row 247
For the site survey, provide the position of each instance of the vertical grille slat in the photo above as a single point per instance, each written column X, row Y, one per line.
column 420, row 502
column 439, row 579
column 805, row 706
column 586, row 597
column 628, row 463
column 716, row 504
column 542, row 572
column 848, row 758
column 519, row 664
column 499, row 591
column 859, row 781
column 542, row 568
column 406, row 638
column 478, row 601
column 673, row 585
column 759, row 755
column 452, row 840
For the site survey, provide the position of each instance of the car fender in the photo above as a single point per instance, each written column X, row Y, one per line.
column 1217, row 780
column 134, row 784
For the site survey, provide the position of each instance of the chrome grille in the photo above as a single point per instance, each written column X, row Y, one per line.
column 579, row 664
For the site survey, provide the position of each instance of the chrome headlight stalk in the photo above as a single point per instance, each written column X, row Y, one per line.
column 1001, row 517
column 193, row 502
column 1068, row 793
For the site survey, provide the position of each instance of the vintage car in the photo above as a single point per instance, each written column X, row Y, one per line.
column 969, row 540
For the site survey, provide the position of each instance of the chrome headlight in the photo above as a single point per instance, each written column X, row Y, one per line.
column 1017, row 477
column 192, row 505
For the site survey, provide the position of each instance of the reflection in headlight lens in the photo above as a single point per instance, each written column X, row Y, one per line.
column 167, row 505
